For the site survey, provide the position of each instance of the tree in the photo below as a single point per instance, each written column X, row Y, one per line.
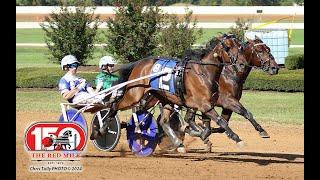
column 70, row 33
column 265, row 2
column 131, row 35
column 177, row 36
column 240, row 28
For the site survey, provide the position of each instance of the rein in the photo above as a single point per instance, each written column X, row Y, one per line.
column 210, row 64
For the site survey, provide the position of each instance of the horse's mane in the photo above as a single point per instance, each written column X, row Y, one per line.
column 126, row 69
column 199, row 53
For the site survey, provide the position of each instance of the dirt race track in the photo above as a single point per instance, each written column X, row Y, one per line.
column 279, row 157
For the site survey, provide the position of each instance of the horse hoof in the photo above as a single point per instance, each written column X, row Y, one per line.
column 264, row 134
column 240, row 144
column 208, row 147
column 181, row 149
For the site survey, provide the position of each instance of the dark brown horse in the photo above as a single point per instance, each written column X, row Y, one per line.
column 231, row 83
column 200, row 86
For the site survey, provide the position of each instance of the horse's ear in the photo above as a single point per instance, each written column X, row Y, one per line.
column 256, row 37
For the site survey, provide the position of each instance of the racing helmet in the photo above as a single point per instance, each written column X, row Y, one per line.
column 68, row 59
column 106, row 60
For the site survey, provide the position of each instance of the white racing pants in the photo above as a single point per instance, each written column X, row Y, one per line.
column 83, row 95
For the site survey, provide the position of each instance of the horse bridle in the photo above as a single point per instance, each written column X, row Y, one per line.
column 265, row 65
column 233, row 58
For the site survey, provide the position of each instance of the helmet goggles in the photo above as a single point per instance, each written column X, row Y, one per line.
column 73, row 65
column 105, row 66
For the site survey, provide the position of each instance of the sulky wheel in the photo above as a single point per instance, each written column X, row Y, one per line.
column 108, row 141
column 72, row 116
column 142, row 139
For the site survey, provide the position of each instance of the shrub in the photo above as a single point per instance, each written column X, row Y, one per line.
column 295, row 61
column 240, row 28
column 45, row 77
column 138, row 31
column 131, row 35
column 286, row 81
column 70, row 33
column 176, row 36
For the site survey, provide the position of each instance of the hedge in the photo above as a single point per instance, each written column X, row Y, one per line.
column 295, row 61
column 34, row 77
column 286, row 80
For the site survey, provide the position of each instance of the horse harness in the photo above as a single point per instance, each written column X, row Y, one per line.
column 264, row 65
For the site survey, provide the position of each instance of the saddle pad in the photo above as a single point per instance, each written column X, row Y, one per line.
column 164, row 82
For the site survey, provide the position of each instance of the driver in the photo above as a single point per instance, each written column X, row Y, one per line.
column 72, row 87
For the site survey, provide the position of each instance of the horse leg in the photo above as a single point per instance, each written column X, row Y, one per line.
column 164, row 122
column 225, row 114
column 206, row 133
column 190, row 119
column 207, row 127
column 212, row 114
column 235, row 106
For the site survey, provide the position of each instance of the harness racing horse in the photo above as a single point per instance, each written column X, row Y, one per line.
column 231, row 83
column 200, row 84
column 258, row 55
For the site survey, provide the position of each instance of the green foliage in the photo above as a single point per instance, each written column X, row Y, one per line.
column 52, row 2
column 286, row 81
column 131, row 35
column 236, row 3
column 70, row 33
column 176, row 36
column 295, row 61
column 34, row 77
column 240, row 28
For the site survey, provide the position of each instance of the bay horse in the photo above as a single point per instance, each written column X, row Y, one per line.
column 200, row 85
column 231, row 82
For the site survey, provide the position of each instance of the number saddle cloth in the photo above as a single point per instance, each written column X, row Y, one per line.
column 172, row 83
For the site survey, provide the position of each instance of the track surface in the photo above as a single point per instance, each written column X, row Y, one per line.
column 279, row 157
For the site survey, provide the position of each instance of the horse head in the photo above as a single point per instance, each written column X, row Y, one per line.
column 260, row 56
column 234, row 49
column 223, row 50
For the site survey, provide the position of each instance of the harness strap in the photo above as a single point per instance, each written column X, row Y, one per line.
column 179, row 81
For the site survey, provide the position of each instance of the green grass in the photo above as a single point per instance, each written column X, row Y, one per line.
column 32, row 57
column 293, row 51
column 265, row 106
column 29, row 35
column 38, row 57
column 37, row 35
column 274, row 106
column 297, row 36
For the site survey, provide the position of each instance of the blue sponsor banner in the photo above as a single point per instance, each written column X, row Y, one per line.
column 164, row 82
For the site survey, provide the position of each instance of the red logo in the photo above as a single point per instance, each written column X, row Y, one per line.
column 55, row 136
